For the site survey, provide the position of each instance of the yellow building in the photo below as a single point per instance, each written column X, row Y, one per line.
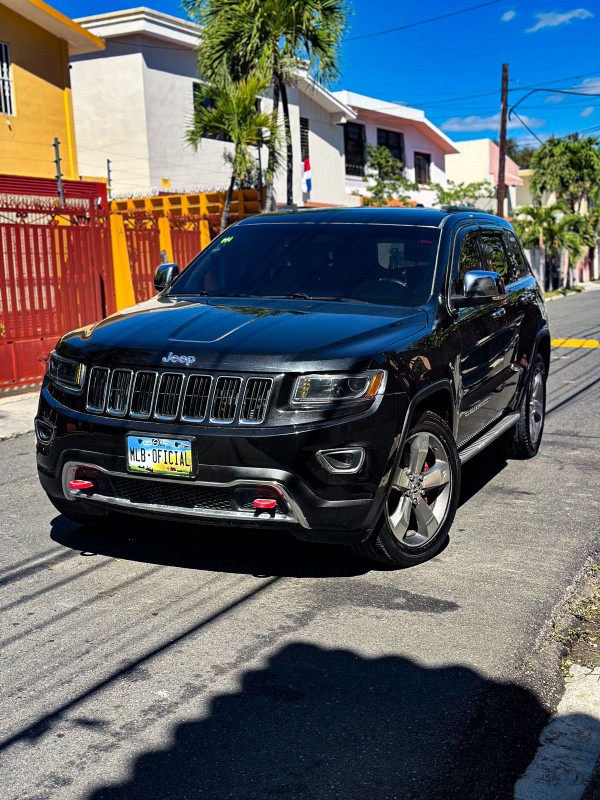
column 35, row 91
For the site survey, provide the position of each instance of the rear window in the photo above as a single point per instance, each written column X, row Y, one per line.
column 383, row 264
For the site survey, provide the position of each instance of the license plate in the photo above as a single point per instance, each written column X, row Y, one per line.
column 152, row 455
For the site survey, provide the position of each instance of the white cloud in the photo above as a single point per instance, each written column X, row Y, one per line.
column 590, row 85
column 474, row 124
column 555, row 98
column 553, row 19
column 587, row 111
column 508, row 15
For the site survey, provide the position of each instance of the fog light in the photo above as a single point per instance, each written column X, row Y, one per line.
column 44, row 430
column 348, row 460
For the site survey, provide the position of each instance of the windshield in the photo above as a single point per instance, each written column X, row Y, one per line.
column 383, row 264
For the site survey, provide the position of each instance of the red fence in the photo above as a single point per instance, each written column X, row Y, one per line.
column 55, row 275
column 143, row 248
column 185, row 239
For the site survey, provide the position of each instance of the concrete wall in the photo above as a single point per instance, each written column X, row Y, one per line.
column 110, row 116
column 326, row 146
column 42, row 101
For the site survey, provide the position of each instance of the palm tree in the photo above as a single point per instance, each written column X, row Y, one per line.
column 229, row 108
column 276, row 36
column 552, row 228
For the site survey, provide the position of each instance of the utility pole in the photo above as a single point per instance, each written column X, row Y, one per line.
column 502, row 155
column 59, row 182
column 108, row 179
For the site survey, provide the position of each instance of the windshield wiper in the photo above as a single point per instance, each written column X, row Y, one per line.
column 292, row 296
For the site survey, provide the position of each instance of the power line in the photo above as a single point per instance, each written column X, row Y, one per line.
column 422, row 21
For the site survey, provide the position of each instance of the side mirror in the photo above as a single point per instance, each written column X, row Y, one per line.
column 480, row 287
column 164, row 276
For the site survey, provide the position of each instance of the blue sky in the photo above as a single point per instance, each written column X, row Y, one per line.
column 451, row 67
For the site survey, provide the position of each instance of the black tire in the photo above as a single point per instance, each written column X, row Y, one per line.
column 427, row 512
column 68, row 509
column 523, row 441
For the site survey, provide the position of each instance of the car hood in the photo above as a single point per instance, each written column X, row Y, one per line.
column 244, row 333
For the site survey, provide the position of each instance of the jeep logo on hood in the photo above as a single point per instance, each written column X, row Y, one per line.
column 174, row 359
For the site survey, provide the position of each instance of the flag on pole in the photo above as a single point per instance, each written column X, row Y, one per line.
column 306, row 176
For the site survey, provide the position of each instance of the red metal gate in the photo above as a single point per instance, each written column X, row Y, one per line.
column 143, row 247
column 55, row 275
column 185, row 239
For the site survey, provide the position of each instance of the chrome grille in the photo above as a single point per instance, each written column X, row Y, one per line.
column 97, row 387
column 225, row 399
column 168, row 396
column 142, row 394
column 118, row 393
column 195, row 401
column 256, row 400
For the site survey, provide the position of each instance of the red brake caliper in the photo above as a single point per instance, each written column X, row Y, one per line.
column 425, row 468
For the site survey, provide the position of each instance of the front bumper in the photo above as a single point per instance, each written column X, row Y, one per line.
column 313, row 504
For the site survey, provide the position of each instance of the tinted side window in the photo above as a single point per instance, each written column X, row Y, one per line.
column 470, row 259
column 518, row 266
column 494, row 257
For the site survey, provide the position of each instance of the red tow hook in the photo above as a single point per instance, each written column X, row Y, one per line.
column 264, row 504
column 79, row 484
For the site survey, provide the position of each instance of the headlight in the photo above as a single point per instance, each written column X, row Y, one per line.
column 314, row 390
column 66, row 373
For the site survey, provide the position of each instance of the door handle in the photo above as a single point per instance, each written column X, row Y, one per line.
column 501, row 312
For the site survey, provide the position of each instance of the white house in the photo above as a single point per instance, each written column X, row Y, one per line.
column 406, row 132
column 478, row 160
column 134, row 102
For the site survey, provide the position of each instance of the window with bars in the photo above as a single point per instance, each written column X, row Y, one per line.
column 394, row 141
column 354, row 147
column 422, row 168
column 304, row 149
column 6, row 94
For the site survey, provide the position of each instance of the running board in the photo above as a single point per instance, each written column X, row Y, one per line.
column 498, row 429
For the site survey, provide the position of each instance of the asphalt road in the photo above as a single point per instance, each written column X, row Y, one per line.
column 156, row 662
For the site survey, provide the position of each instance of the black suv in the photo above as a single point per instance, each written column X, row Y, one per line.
column 325, row 372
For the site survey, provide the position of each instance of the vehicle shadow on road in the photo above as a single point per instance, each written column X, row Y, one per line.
column 480, row 471
column 255, row 552
column 321, row 723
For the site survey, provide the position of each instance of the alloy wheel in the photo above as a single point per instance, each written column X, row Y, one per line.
column 421, row 490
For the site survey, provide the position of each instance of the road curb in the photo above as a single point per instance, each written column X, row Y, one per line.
column 569, row 744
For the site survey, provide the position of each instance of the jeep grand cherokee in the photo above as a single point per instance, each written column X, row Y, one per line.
column 325, row 372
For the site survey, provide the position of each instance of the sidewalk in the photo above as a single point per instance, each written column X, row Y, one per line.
column 17, row 413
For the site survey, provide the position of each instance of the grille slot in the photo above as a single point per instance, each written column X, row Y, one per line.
column 97, row 387
column 225, row 400
column 195, row 400
column 118, row 393
column 142, row 395
column 168, row 395
column 256, row 400
column 164, row 493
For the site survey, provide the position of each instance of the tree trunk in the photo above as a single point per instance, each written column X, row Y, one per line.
column 227, row 204
column 270, row 199
column 288, row 141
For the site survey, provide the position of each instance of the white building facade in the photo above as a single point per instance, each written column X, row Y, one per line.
column 406, row 132
column 134, row 103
